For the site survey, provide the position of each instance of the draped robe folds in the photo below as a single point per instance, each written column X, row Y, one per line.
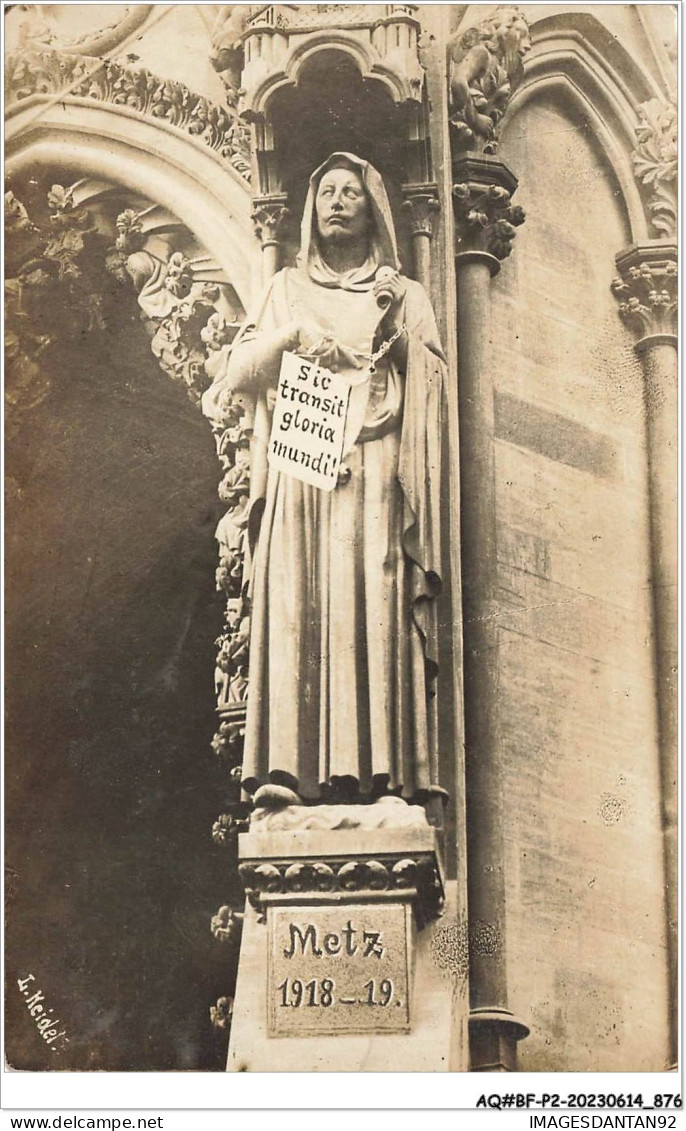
column 343, row 583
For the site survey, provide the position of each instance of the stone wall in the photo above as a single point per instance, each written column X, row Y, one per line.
column 577, row 719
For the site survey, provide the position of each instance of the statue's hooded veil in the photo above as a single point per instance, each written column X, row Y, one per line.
column 383, row 250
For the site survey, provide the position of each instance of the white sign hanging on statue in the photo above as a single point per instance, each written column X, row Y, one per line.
column 309, row 422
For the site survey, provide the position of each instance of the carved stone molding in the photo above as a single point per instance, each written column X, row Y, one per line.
column 226, row 54
column 270, row 217
column 227, row 925
column 226, row 828
column 232, row 658
column 485, row 218
column 311, row 17
column 655, row 162
column 232, row 432
column 279, row 38
column 421, row 206
column 647, row 290
column 328, row 866
column 51, row 72
column 228, row 740
column 222, row 1013
column 485, row 67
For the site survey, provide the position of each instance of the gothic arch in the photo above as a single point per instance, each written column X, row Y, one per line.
column 574, row 55
column 162, row 163
column 364, row 55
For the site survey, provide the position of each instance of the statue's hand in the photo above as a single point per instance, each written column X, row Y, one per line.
column 389, row 291
column 316, row 344
column 332, row 354
column 342, row 357
column 312, row 339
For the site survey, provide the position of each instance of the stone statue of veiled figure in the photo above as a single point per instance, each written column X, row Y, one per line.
column 343, row 583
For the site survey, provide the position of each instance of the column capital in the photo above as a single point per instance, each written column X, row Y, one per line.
column 270, row 215
column 485, row 218
column 420, row 205
column 646, row 289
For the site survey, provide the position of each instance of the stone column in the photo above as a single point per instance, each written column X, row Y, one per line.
column 269, row 217
column 485, row 226
column 421, row 206
column 647, row 290
column 484, row 68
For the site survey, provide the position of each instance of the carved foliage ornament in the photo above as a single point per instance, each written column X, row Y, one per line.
column 221, row 1013
column 270, row 217
column 420, row 206
column 232, row 432
column 485, row 67
column 52, row 72
column 177, row 309
column 55, row 283
column 656, row 162
column 227, row 827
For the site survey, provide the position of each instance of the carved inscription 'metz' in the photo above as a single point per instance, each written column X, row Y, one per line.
column 339, row 969
column 334, row 943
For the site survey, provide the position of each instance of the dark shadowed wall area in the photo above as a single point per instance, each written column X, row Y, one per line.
column 111, row 784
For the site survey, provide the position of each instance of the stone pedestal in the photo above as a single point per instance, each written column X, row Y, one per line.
column 342, row 964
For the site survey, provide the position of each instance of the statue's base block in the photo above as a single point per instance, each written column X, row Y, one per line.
column 343, row 979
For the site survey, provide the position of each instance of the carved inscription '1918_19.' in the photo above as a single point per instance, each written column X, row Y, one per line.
column 343, row 969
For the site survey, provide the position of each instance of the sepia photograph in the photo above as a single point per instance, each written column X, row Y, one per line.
column 341, row 551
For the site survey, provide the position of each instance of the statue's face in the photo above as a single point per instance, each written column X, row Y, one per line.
column 342, row 207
